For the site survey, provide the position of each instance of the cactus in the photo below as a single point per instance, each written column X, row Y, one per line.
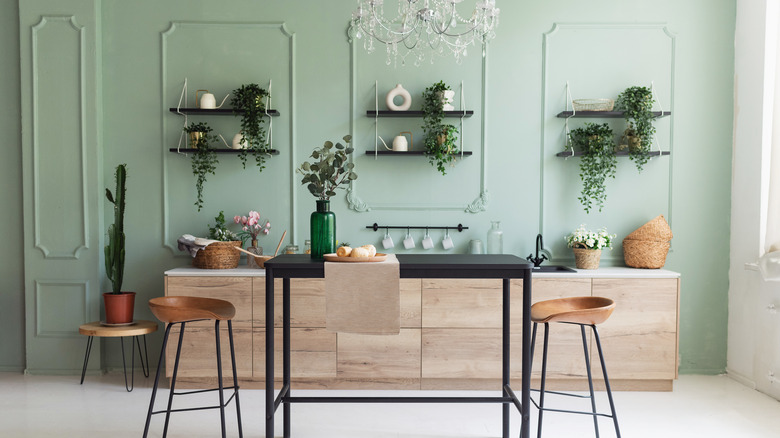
column 115, row 250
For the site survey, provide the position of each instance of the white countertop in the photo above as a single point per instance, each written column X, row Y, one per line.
column 611, row 272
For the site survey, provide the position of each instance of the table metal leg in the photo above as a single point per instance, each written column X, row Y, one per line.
column 269, row 353
column 132, row 363
column 505, row 359
column 525, row 394
column 141, row 356
column 286, row 354
column 86, row 358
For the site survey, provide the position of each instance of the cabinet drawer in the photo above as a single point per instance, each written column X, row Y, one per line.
column 379, row 356
column 312, row 353
column 236, row 290
column 461, row 303
column 461, row 353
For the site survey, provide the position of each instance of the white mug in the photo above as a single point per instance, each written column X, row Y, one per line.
column 427, row 242
column 446, row 243
column 387, row 242
column 408, row 241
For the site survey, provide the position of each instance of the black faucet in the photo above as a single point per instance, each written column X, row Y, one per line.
column 537, row 261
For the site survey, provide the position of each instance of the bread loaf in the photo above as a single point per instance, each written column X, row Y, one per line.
column 343, row 251
column 359, row 252
column 371, row 250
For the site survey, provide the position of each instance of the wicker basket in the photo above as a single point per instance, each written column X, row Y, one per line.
column 587, row 258
column 646, row 254
column 656, row 230
column 593, row 104
column 218, row 255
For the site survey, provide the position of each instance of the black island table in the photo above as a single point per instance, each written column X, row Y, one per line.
column 503, row 266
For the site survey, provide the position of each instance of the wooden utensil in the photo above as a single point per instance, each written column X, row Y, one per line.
column 280, row 243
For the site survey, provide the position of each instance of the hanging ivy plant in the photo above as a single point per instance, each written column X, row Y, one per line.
column 637, row 103
column 598, row 162
column 440, row 139
column 250, row 99
column 204, row 158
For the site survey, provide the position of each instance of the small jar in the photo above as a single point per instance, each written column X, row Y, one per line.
column 307, row 247
column 291, row 249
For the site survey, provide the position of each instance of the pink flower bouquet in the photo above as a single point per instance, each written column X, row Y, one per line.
column 252, row 225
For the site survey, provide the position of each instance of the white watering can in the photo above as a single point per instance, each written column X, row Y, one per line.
column 208, row 101
column 399, row 142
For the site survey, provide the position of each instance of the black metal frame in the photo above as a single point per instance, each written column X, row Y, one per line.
column 222, row 403
column 592, row 397
column 503, row 267
column 134, row 342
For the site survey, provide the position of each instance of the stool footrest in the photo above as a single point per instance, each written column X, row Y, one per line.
column 200, row 391
column 201, row 408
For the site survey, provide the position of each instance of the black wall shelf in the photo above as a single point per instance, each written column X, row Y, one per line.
column 388, row 113
column 215, row 111
column 386, row 152
column 604, row 114
column 618, row 153
column 219, row 151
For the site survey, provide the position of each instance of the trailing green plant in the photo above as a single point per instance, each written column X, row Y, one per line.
column 598, row 162
column 115, row 250
column 250, row 99
column 204, row 158
column 440, row 139
column 637, row 103
column 220, row 231
column 331, row 170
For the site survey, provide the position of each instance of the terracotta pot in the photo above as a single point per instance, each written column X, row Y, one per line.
column 119, row 307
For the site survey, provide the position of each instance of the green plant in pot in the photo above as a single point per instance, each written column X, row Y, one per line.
column 330, row 169
column 204, row 157
column 119, row 305
column 637, row 104
column 250, row 100
column 439, row 138
column 597, row 164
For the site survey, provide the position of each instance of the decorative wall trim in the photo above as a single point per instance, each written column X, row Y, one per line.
column 39, row 286
column 175, row 25
column 546, row 37
column 36, row 147
column 356, row 203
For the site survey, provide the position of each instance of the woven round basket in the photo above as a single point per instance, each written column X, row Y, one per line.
column 218, row 255
column 593, row 104
column 646, row 254
column 657, row 230
column 587, row 258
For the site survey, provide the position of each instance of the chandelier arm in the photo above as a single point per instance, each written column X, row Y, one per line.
column 386, row 28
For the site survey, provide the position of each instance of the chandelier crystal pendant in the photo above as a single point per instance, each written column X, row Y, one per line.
column 422, row 26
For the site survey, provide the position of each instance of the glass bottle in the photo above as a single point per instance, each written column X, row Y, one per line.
column 323, row 230
column 495, row 239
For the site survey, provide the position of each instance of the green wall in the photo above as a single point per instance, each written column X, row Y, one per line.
column 322, row 86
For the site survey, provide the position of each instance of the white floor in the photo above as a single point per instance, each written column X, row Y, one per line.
column 57, row 406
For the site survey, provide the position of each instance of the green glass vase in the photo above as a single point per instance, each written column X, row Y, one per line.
column 323, row 230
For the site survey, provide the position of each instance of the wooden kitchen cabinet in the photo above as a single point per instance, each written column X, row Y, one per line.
column 450, row 335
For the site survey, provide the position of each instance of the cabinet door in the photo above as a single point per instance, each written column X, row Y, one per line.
column 312, row 353
column 379, row 356
column 640, row 338
column 461, row 303
column 198, row 355
column 565, row 357
column 454, row 353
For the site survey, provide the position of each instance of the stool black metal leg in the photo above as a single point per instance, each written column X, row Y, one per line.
column 606, row 381
column 235, row 378
column 173, row 381
column 219, row 380
column 86, row 359
column 533, row 344
column 156, row 379
column 544, row 377
column 590, row 380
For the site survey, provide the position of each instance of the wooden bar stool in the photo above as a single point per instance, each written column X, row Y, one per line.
column 581, row 311
column 181, row 310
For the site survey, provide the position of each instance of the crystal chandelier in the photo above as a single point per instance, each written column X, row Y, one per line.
column 422, row 26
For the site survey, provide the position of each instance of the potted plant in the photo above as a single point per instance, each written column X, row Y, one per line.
column 439, row 138
column 204, row 157
column 637, row 104
column 587, row 246
column 322, row 177
column 222, row 253
column 249, row 99
column 597, row 164
column 119, row 305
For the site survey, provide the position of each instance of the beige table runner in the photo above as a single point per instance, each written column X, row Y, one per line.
column 363, row 297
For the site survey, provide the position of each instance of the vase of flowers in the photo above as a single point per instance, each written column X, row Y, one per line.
column 322, row 177
column 252, row 227
column 587, row 246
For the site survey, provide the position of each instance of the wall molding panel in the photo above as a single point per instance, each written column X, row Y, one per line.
column 53, row 300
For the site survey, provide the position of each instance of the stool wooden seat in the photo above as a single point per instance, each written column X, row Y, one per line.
column 135, row 329
column 576, row 310
column 582, row 311
column 181, row 310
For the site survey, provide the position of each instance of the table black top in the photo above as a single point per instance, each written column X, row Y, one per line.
column 416, row 266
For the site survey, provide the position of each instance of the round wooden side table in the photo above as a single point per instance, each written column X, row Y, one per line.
column 138, row 328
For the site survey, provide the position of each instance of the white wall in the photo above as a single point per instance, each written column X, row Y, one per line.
column 754, row 327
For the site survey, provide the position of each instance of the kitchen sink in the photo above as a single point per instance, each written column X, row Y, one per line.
column 553, row 268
